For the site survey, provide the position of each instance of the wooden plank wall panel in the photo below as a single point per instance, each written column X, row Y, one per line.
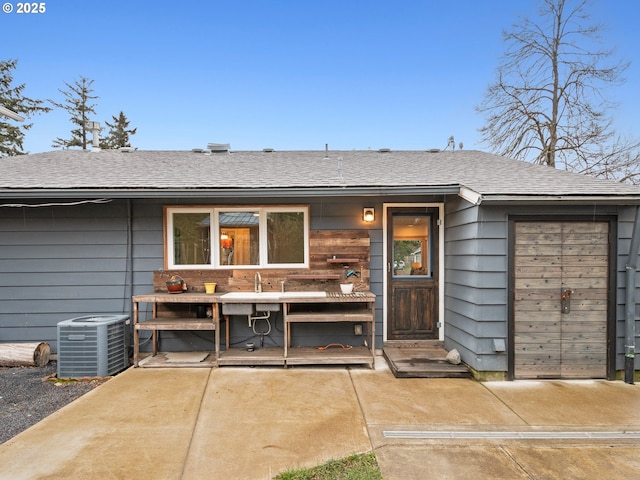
column 323, row 245
column 538, row 273
column 585, row 250
column 585, row 270
column 548, row 257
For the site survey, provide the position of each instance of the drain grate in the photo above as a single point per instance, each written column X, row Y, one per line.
column 538, row 435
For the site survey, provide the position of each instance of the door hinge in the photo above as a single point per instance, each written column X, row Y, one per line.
column 439, row 325
column 438, row 222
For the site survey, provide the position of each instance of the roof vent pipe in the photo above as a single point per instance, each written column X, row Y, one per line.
column 326, row 150
column 218, row 147
column 94, row 128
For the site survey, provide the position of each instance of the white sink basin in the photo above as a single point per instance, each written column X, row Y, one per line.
column 251, row 296
column 265, row 297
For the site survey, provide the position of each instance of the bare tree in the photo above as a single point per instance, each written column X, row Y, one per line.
column 547, row 105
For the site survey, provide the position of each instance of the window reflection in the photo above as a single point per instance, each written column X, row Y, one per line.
column 239, row 237
column 411, row 245
column 285, row 237
column 191, row 238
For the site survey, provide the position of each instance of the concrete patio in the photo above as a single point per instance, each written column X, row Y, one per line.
column 253, row 423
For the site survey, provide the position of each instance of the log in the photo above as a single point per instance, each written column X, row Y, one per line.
column 24, row 354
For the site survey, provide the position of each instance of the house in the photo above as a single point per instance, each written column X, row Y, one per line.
column 519, row 267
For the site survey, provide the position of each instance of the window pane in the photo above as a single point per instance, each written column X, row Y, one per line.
column 285, row 237
column 191, row 239
column 239, row 238
column 411, row 245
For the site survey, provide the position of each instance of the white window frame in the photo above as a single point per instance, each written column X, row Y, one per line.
column 215, row 238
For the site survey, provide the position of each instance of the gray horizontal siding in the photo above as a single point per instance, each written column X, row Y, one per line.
column 476, row 275
column 626, row 218
column 60, row 262
column 64, row 262
column 475, row 284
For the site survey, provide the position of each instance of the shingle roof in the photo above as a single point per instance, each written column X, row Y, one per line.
column 483, row 173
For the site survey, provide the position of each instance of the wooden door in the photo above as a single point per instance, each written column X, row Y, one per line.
column 412, row 274
column 560, row 304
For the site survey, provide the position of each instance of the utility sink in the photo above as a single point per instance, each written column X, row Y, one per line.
column 266, row 297
column 237, row 308
column 246, row 303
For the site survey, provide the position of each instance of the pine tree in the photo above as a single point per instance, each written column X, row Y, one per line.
column 76, row 102
column 119, row 133
column 12, row 133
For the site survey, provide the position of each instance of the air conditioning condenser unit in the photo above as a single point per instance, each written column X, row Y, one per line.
column 92, row 346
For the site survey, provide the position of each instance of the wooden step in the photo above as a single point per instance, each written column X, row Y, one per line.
column 428, row 361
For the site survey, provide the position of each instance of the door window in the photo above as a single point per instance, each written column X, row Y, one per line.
column 411, row 245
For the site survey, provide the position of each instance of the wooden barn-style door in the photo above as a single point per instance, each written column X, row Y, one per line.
column 560, row 299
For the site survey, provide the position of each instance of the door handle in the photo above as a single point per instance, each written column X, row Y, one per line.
column 565, row 300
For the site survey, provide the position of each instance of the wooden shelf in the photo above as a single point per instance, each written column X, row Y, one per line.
column 169, row 323
column 260, row 356
column 343, row 260
column 156, row 324
column 330, row 356
column 306, row 276
column 161, row 360
column 334, row 310
column 327, row 317
column 355, row 308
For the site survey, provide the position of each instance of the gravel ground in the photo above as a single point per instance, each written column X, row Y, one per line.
column 29, row 394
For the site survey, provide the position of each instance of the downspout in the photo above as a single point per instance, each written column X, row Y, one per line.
column 630, row 318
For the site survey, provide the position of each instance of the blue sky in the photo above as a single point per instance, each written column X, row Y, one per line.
column 289, row 75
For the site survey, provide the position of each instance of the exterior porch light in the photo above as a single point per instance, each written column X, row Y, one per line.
column 368, row 214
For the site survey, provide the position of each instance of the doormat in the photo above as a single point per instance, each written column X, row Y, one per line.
column 186, row 357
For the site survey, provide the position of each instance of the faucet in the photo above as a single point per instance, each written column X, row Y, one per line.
column 257, row 283
column 351, row 272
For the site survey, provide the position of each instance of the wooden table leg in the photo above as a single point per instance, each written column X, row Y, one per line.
column 226, row 331
column 216, row 325
column 136, row 335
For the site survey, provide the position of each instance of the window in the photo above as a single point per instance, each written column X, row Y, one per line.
column 239, row 236
column 411, row 245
